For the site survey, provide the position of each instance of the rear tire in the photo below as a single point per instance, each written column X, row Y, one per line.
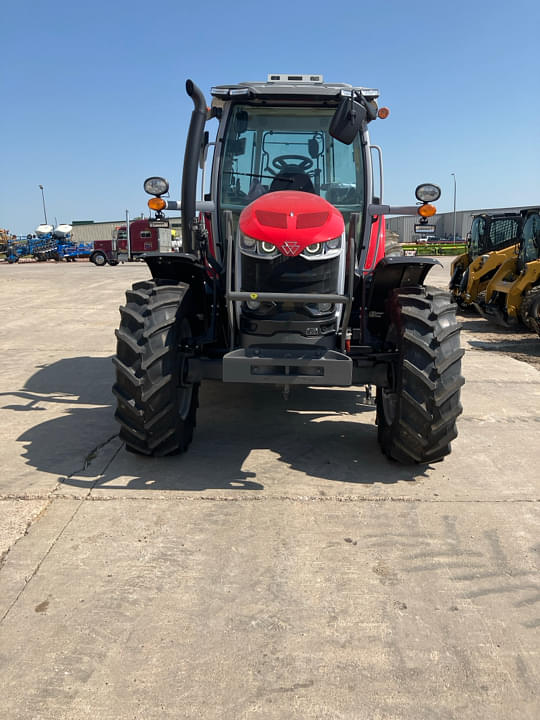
column 157, row 403
column 530, row 309
column 417, row 417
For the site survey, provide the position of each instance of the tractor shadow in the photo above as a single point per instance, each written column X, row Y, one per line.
column 247, row 437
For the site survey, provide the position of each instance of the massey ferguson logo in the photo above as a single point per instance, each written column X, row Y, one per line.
column 290, row 248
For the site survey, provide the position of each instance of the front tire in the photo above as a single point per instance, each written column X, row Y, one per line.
column 157, row 403
column 416, row 417
column 530, row 309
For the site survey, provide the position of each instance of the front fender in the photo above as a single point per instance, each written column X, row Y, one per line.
column 390, row 273
column 394, row 272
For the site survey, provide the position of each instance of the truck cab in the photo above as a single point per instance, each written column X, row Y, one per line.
column 145, row 235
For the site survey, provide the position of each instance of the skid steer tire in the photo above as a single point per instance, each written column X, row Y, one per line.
column 530, row 309
column 465, row 308
column 156, row 402
column 417, row 417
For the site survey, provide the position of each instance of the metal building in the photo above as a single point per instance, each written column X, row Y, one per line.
column 89, row 231
column 443, row 222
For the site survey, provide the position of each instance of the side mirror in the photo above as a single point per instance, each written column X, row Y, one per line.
column 347, row 121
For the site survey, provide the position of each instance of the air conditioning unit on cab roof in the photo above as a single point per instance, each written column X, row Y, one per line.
column 283, row 77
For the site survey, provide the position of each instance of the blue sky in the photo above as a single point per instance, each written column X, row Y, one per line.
column 93, row 96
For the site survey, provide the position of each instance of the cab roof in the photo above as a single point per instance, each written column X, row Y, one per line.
column 304, row 87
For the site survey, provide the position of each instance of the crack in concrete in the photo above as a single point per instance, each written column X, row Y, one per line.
column 88, row 460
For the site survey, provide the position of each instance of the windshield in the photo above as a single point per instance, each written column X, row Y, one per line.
column 530, row 249
column 267, row 149
column 477, row 236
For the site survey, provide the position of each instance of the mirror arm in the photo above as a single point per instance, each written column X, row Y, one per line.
column 392, row 209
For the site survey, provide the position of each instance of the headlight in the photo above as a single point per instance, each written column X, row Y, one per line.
column 334, row 244
column 317, row 309
column 428, row 192
column 246, row 242
column 156, row 186
column 258, row 248
column 323, row 250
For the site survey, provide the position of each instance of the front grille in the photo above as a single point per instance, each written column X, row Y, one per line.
column 284, row 274
column 289, row 320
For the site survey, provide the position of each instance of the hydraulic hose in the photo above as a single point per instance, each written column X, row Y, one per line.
column 191, row 165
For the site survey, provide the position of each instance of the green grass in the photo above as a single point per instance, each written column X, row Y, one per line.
column 436, row 248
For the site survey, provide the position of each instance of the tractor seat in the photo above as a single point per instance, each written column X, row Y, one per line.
column 292, row 180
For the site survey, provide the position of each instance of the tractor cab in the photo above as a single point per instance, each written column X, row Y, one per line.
column 284, row 135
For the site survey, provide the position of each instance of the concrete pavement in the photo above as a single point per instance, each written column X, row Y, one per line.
column 282, row 568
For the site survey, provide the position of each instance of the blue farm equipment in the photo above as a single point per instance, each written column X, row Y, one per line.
column 47, row 247
column 23, row 247
column 70, row 251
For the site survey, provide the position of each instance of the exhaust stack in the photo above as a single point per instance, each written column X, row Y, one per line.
column 191, row 165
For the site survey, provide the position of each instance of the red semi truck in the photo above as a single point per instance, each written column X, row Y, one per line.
column 145, row 235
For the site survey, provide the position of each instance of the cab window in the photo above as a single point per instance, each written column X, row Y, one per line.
column 531, row 239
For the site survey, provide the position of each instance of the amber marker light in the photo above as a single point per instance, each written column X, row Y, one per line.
column 156, row 203
column 383, row 113
column 426, row 210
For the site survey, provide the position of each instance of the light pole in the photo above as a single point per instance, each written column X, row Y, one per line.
column 128, row 236
column 43, row 198
column 454, row 233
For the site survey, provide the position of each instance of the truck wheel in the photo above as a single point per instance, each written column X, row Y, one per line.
column 157, row 402
column 530, row 309
column 99, row 259
column 417, row 417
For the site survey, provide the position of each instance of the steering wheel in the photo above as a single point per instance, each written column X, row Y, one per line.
column 282, row 162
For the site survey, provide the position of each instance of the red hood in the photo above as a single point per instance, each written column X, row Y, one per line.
column 291, row 220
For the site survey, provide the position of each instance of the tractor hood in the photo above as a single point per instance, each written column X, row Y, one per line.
column 291, row 220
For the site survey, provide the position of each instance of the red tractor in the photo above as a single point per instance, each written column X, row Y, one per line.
column 282, row 277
